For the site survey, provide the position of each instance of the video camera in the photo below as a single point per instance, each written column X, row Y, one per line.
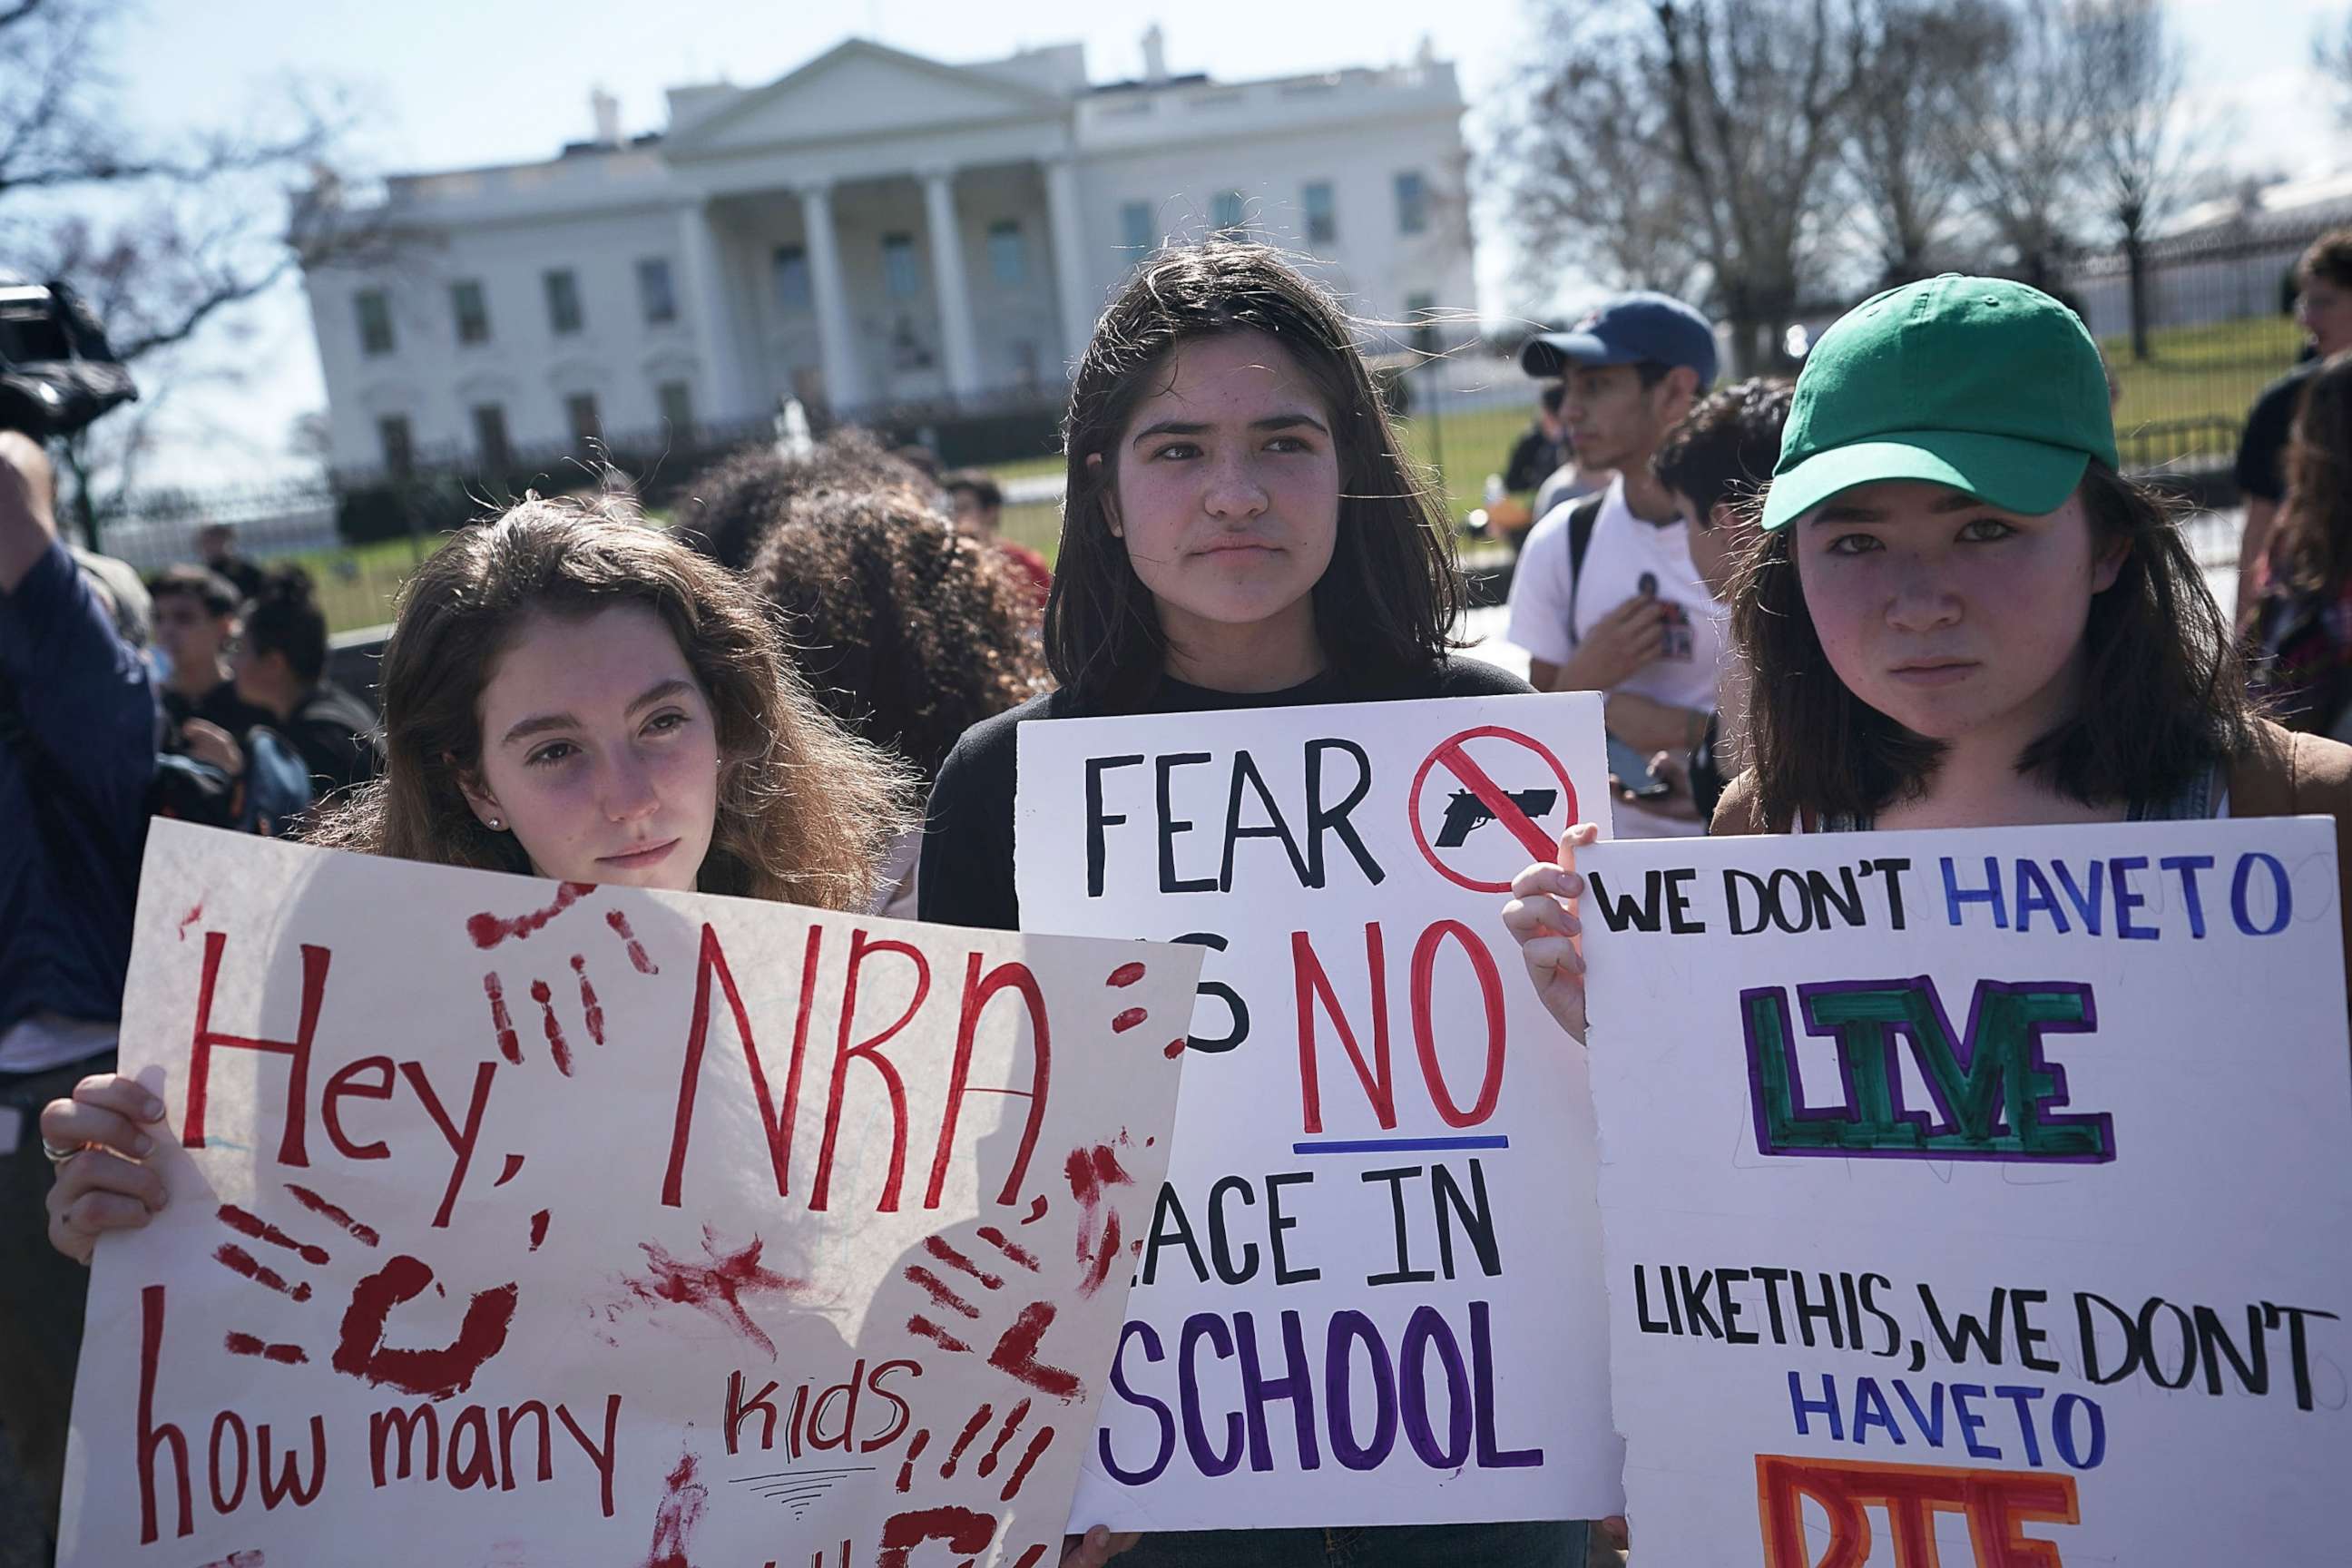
column 56, row 373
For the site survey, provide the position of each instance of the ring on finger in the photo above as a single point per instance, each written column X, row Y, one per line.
column 58, row 1156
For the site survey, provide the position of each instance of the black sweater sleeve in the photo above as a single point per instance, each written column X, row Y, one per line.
column 966, row 874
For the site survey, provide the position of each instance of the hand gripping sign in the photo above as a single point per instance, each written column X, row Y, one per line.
column 563, row 1224
column 1369, row 1288
column 1977, row 1198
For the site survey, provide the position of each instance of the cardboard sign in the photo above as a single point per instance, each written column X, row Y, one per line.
column 516, row 1222
column 1369, row 1293
column 1977, row 1197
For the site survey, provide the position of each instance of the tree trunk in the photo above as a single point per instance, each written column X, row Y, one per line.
column 2136, row 261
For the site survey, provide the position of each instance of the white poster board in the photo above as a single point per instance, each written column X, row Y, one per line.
column 1990, row 1190
column 524, row 1224
column 1370, row 1292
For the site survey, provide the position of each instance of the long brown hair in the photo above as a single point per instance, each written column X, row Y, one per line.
column 805, row 810
column 1386, row 604
column 2164, row 693
column 2311, row 550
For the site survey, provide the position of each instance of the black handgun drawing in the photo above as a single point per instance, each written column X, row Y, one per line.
column 1465, row 813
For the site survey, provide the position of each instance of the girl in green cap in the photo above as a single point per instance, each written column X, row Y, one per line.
column 1958, row 614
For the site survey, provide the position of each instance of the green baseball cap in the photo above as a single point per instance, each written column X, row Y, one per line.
column 1980, row 383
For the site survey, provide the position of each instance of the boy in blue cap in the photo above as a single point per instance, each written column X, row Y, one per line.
column 1605, row 597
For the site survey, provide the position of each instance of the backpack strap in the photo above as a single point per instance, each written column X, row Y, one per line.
column 1580, row 519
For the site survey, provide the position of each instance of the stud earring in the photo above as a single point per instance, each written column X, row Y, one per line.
column 497, row 825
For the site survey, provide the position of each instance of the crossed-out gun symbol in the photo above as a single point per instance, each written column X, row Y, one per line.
column 1465, row 813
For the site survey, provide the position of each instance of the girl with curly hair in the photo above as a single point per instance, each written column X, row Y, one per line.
column 908, row 630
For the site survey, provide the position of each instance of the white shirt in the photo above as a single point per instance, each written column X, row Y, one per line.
column 1624, row 550
column 1568, row 482
column 47, row 1040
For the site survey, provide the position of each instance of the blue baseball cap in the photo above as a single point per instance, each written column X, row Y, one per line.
column 1628, row 329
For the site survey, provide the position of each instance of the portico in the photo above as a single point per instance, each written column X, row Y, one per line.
column 875, row 230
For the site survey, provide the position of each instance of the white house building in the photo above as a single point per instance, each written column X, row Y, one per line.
column 875, row 228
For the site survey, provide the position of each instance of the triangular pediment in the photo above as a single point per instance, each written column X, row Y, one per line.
column 856, row 92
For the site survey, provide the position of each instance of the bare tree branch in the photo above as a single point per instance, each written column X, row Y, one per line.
column 164, row 236
column 2144, row 146
column 2331, row 55
column 1690, row 131
column 2029, row 143
column 1905, row 156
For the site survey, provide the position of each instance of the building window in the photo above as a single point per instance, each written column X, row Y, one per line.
column 1420, row 311
column 794, row 293
column 1226, row 212
column 1008, row 257
column 473, row 313
column 392, row 433
column 900, row 278
column 579, row 412
column 376, row 320
column 654, row 295
column 1135, row 228
column 490, row 437
column 1322, row 215
column 1412, row 203
column 562, row 301
column 676, row 401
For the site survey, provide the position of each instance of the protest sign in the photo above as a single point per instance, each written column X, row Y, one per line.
column 522, row 1222
column 1368, row 1292
column 1977, row 1197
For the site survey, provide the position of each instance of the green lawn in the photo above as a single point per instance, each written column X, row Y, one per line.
column 2196, row 376
column 1027, row 467
column 1458, row 448
column 356, row 586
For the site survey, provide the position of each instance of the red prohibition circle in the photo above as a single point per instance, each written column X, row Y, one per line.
column 1450, row 753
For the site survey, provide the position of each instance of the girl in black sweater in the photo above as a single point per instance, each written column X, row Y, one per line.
column 1241, row 532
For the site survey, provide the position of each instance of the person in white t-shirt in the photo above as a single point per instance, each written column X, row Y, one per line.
column 1628, row 615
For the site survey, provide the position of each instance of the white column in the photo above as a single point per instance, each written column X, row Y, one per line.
column 1072, row 277
column 947, row 281
column 836, row 336
column 715, row 336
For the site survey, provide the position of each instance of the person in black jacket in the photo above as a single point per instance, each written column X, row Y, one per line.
column 1241, row 532
column 196, row 623
column 1543, row 449
column 2323, row 307
column 280, row 664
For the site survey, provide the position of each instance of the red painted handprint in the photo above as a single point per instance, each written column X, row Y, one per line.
column 1015, row 1351
column 437, row 1373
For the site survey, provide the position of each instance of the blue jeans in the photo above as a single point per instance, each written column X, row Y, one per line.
column 1541, row 1544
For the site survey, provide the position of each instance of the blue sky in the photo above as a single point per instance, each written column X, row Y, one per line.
column 446, row 84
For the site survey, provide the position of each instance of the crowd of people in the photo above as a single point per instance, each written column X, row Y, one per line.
column 1912, row 589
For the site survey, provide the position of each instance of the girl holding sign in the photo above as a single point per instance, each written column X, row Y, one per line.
column 1242, row 530
column 567, row 694
column 1958, row 614
column 570, row 694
